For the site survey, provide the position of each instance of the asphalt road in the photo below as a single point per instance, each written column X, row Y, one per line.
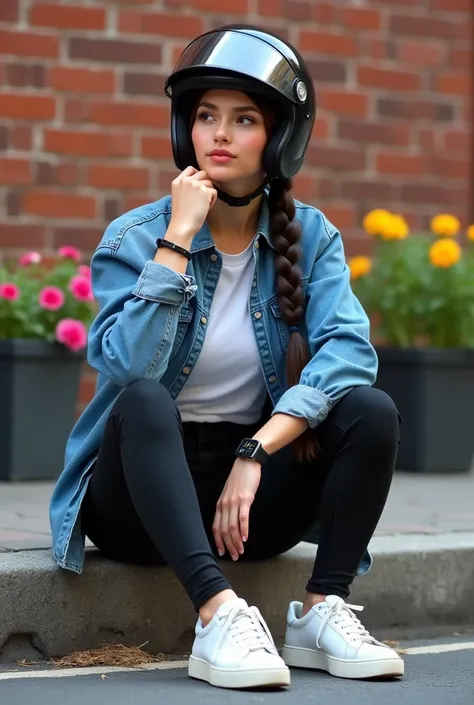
column 445, row 678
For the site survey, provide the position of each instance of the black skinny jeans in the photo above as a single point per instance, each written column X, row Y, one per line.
column 153, row 491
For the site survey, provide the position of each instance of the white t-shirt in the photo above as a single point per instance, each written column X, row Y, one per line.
column 227, row 382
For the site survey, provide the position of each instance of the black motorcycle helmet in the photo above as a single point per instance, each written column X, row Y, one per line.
column 251, row 60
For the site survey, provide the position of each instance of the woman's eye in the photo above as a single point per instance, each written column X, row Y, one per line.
column 249, row 119
column 204, row 116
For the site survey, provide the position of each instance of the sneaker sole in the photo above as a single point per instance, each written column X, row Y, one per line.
column 307, row 658
column 227, row 678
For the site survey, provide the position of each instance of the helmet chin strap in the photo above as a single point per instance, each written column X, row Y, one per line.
column 238, row 202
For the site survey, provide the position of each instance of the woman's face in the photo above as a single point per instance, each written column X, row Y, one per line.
column 229, row 137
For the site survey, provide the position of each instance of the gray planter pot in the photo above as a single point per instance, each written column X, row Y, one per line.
column 434, row 392
column 39, row 384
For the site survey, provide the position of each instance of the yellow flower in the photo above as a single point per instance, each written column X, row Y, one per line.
column 470, row 232
column 375, row 222
column 444, row 253
column 445, row 225
column 396, row 228
column 360, row 266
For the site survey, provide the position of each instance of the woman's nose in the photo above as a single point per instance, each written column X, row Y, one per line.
column 222, row 133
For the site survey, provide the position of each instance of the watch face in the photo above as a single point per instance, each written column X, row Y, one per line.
column 247, row 448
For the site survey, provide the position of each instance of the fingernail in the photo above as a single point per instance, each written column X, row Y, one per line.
column 221, row 553
column 241, row 550
column 244, row 539
column 235, row 557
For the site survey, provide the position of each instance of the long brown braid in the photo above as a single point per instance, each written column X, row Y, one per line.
column 285, row 233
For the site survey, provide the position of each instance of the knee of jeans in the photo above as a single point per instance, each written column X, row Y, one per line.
column 378, row 414
column 147, row 398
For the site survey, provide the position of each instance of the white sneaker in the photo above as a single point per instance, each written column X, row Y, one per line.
column 331, row 638
column 236, row 650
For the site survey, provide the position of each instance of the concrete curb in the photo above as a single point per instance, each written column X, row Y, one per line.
column 416, row 582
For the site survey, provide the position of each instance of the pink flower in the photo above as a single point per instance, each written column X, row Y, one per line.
column 70, row 252
column 9, row 291
column 29, row 258
column 84, row 270
column 81, row 288
column 72, row 334
column 51, row 298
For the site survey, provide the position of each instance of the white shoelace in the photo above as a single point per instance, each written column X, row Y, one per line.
column 348, row 623
column 248, row 629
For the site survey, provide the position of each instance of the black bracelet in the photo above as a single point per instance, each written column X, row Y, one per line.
column 172, row 246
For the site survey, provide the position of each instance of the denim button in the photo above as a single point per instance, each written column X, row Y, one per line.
column 214, row 257
column 204, row 320
column 272, row 378
column 186, row 370
column 258, row 314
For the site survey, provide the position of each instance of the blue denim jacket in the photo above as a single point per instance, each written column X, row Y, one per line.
column 152, row 322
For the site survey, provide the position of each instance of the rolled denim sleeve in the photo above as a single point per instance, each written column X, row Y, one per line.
column 132, row 336
column 342, row 356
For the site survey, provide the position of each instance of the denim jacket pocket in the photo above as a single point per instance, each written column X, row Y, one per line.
column 185, row 317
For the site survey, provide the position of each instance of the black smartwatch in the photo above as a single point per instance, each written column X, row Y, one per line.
column 250, row 449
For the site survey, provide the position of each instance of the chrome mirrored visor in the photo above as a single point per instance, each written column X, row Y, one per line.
column 242, row 54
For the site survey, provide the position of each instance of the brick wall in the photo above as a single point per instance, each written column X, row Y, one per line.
column 84, row 123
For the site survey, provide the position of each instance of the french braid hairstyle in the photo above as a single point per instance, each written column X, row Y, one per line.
column 286, row 234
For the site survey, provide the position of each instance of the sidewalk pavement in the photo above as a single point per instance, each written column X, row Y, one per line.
column 422, row 578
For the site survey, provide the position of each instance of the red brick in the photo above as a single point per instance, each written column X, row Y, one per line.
column 325, row 43
column 461, row 59
column 132, row 202
column 21, row 75
column 423, row 26
column 67, row 16
column 325, row 13
column 415, row 109
column 29, row 44
column 363, row 190
column 63, row 174
column 427, row 139
column 433, row 193
column 59, row 205
column 327, row 71
column 270, row 8
column 28, row 107
column 22, row 236
column 452, row 5
column 75, row 80
column 22, row 138
column 341, row 216
column 422, row 53
column 296, row 10
column 237, row 7
column 376, row 48
column 4, row 137
column 9, row 11
column 374, row 132
column 361, row 18
column 446, row 168
column 15, row 171
column 304, row 187
column 343, row 102
column 144, row 83
column 130, row 113
column 88, row 144
column 115, row 50
column 388, row 78
column 109, row 176
column 399, row 164
column 454, row 84
column 85, row 238
column 457, row 140
column 339, row 158
column 156, row 148
column 170, row 25
column 321, row 128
